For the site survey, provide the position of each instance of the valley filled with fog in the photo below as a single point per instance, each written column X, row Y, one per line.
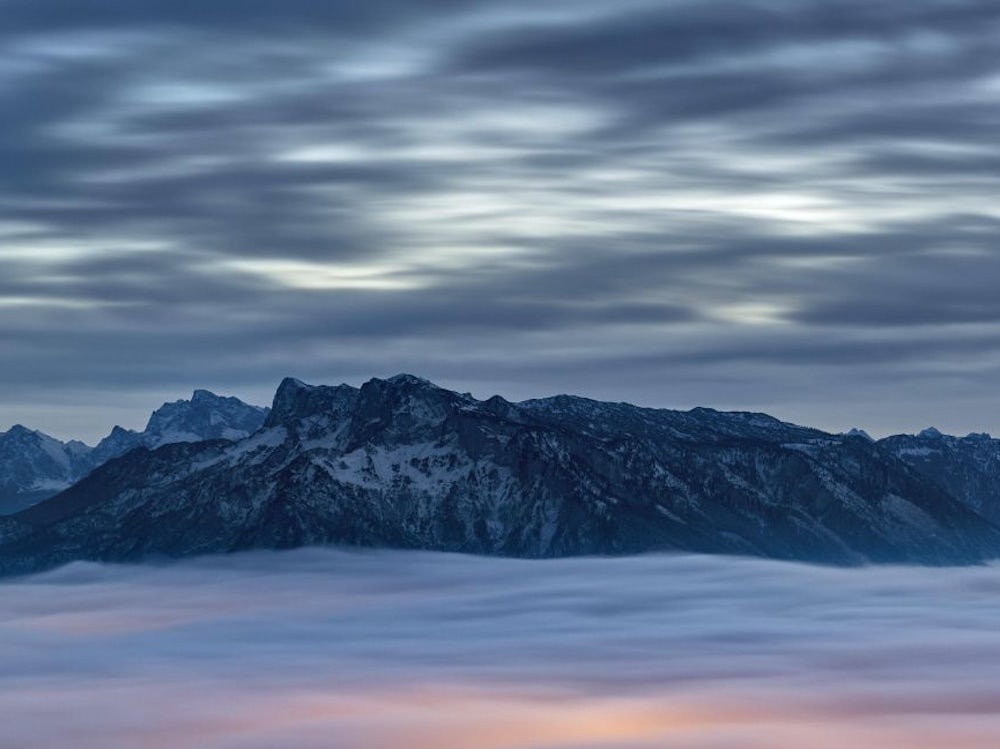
column 321, row 648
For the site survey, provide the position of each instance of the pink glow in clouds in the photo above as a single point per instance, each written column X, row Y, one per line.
column 316, row 649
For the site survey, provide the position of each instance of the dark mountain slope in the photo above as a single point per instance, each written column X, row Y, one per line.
column 968, row 467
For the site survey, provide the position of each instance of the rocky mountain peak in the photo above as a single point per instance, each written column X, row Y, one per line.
column 498, row 406
column 406, row 379
column 859, row 433
column 979, row 436
column 289, row 401
column 205, row 416
column 403, row 408
column 21, row 432
column 295, row 401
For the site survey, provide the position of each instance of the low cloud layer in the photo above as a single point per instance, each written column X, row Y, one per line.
column 777, row 205
column 377, row 650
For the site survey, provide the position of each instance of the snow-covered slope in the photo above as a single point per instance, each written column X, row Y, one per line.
column 403, row 463
column 35, row 466
column 206, row 416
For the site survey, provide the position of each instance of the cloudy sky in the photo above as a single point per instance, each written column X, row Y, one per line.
column 779, row 205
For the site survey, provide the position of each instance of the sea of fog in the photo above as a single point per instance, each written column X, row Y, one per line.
column 331, row 649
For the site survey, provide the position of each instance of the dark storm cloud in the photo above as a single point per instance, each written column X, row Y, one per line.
column 321, row 647
column 227, row 16
column 683, row 61
column 942, row 289
column 675, row 203
column 660, row 35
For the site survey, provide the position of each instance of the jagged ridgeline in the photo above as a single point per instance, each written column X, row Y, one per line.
column 35, row 466
column 403, row 463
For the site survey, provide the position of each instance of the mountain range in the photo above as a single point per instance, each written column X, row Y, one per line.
column 35, row 466
column 401, row 462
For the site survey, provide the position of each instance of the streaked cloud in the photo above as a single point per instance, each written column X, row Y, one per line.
column 796, row 199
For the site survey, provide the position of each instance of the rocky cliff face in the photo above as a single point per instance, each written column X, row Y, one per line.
column 403, row 463
column 35, row 466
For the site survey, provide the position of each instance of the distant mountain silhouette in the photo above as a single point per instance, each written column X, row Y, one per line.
column 35, row 466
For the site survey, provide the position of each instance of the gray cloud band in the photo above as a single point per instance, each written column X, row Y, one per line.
column 185, row 187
